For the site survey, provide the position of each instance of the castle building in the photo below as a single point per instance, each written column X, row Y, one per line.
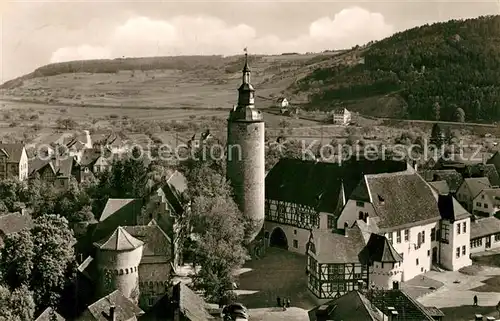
column 118, row 257
column 245, row 154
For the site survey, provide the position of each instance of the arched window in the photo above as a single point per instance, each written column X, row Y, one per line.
column 419, row 239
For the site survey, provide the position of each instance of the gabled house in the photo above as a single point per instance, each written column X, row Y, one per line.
column 485, row 234
column 55, row 171
column 282, row 102
column 114, row 306
column 180, row 303
column 495, row 161
column 487, row 202
column 425, row 228
column 341, row 116
column 469, row 189
column 115, row 142
column 13, row 161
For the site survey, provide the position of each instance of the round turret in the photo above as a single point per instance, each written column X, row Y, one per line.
column 118, row 257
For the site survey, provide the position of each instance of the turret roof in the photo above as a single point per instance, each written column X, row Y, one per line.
column 119, row 240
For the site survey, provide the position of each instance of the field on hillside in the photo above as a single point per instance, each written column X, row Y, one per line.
column 210, row 87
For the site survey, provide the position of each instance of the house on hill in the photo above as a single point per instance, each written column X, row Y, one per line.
column 452, row 178
column 55, row 171
column 13, row 161
column 341, row 116
column 282, row 102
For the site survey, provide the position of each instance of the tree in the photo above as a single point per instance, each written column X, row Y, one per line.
column 437, row 136
column 218, row 248
column 460, row 115
column 42, row 259
column 66, row 123
column 17, row 305
column 437, row 111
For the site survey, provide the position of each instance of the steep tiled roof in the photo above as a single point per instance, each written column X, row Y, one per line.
column 441, row 187
column 351, row 306
column 12, row 151
column 407, row 308
column 484, row 170
column 476, row 184
column 156, row 242
column 47, row 315
column 451, row 176
column 120, row 240
column 401, row 199
column 378, row 249
column 114, row 205
column 495, row 161
column 337, row 248
column 90, row 156
column 484, row 226
column 189, row 303
column 450, row 208
column 125, row 309
column 61, row 167
column 318, row 184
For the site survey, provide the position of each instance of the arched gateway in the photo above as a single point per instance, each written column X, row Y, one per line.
column 278, row 239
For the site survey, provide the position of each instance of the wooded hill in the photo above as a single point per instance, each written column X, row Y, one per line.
column 430, row 72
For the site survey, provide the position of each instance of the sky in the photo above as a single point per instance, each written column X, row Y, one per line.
column 36, row 33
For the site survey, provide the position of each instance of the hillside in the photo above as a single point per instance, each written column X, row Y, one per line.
column 177, row 82
column 427, row 72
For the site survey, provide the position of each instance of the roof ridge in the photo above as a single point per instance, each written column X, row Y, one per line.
column 417, row 304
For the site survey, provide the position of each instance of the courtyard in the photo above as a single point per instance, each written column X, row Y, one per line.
column 279, row 273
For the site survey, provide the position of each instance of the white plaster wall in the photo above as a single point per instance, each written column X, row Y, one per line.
column 459, row 240
column 383, row 277
column 486, row 200
column 411, row 253
column 292, row 233
column 350, row 213
column 482, row 248
column 23, row 166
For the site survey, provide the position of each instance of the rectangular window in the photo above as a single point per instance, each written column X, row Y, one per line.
column 360, row 204
column 464, row 251
column 398, row 236
column 330, row 221
column 458, row 228
column 428, row 252
column 416, row 261
column 423, row 237
column 433, row 234
column 464, row 227
column 445, row 232
column 497, row 237
column 407, row 235
column 485, row 205
column 478, row 204
column 295, row 244
column 458, row 252
column 389, row 237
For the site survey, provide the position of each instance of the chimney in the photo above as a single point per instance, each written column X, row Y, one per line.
column 112, row 314
column 478, row 317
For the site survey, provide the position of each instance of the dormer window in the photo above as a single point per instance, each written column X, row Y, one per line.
column 380, row 199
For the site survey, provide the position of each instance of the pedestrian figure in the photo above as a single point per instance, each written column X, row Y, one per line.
column 288, row 302
column 475, row 300
column 278, row 301
column 284, row 304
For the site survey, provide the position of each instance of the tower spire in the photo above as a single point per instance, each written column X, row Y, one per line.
column 246, row 90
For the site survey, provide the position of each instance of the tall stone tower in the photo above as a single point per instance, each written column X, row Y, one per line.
column 246, row 154
column 118, row 257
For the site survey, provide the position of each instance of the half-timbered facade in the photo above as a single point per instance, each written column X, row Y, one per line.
column 305, row 195
column 333, row 263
